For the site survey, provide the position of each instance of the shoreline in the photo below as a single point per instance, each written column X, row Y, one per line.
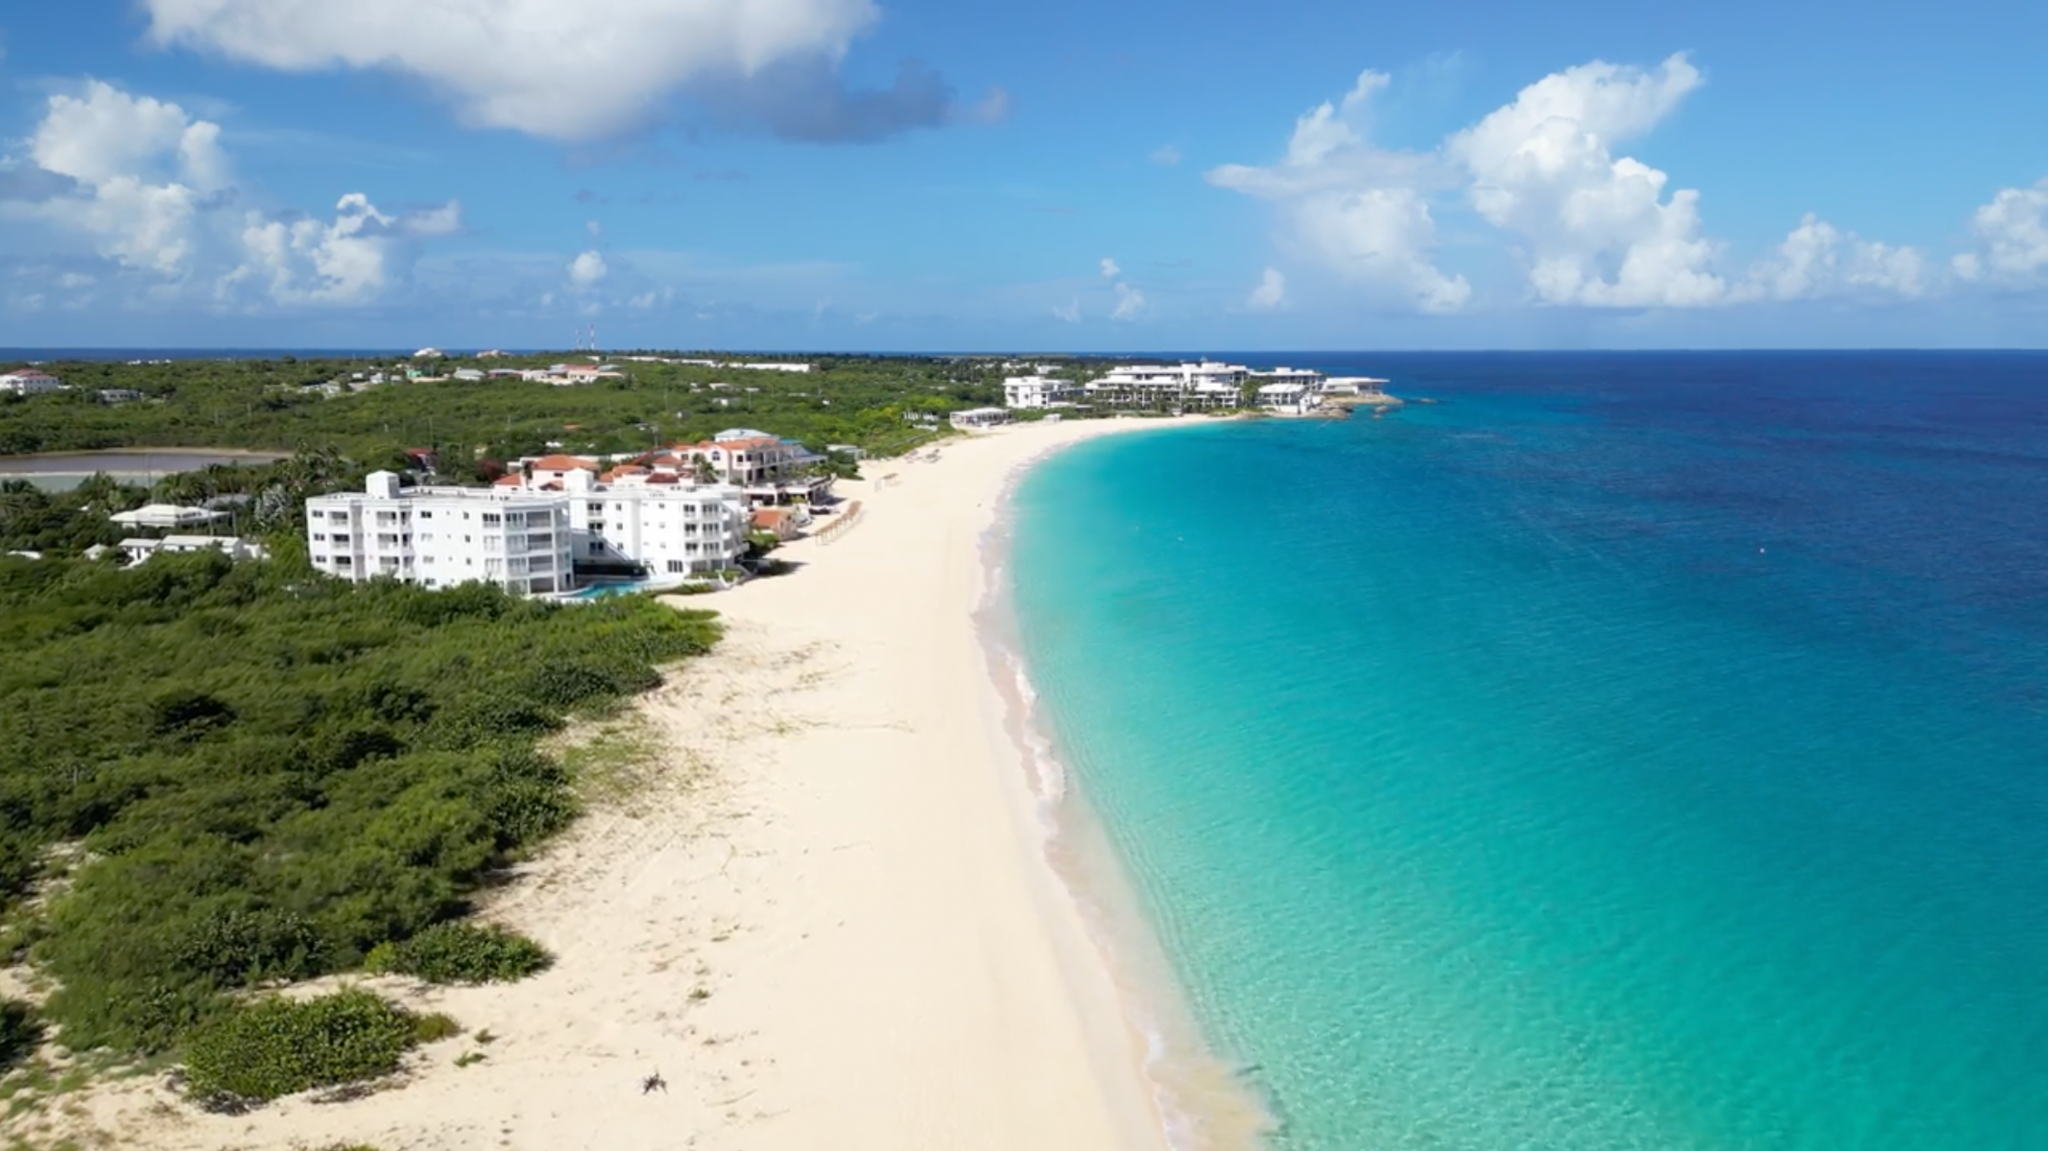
column 845, row 906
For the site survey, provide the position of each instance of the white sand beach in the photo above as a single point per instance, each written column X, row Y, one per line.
column 827, row 919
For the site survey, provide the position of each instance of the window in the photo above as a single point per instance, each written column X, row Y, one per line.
column 319, row 537
column 596, row 547
column 493, row 518
column 594, row 509
column 430, row 583
column 425, row 514
column 341, row 539
column 675, row 566
column 341, row 561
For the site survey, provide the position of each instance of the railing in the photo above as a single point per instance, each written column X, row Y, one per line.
column 841, row 524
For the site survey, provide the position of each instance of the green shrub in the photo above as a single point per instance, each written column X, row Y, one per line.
column 434, row 1028
column 271, row 1047
column 21, row 1032
column 463, row 953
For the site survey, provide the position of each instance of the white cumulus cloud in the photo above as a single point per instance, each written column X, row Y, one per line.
column 1270, row 294
column 1070, row 312
column 350, row 260
column 142, row 171
column 579, row 70
column 148, row 186
column 1358, row 209
column 1600, row 230
column 1129, row 302
column 586, row 270
column 2012, row 237
column 1110, row 270
column 1817, row 259
column 1592, row 228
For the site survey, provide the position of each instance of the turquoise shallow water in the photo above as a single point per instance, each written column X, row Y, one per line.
column 1628, row 752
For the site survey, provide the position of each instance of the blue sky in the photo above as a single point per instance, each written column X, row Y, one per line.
column 905, row 174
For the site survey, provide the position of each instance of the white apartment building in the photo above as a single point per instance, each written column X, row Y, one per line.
column 1036, row 391
column 442, row 536
column 1204, row 385
column 672, row 527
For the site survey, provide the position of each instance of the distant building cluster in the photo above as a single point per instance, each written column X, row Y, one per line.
column 1203, row 386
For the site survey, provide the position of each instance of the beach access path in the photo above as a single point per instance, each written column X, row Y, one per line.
column 824, row 917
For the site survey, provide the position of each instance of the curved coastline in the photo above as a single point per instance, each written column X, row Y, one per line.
column 848, row 903
column 1200, row 1101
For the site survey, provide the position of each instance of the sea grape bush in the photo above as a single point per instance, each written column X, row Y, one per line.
column 462, row 953
column 273, row 1046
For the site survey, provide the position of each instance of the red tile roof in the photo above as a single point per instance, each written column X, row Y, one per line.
column 559, row 463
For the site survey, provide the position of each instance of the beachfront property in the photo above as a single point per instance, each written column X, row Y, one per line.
column 1186, row 386
column 1289, row 399
column 1363, row 386
column 1309, row 380
column 979, row 418
column 118, row 396
column 1036, row 391
column 29, row 382
column 443, row 536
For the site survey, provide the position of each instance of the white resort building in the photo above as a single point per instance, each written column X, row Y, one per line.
column 1353, row 386
column 1289, row 399
column 1036, row 392
column 1308, row 379
column 1204, row 385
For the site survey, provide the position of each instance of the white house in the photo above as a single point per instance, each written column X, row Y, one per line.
column 167, row 516
column 441, row 536
column 140, row 549
column 1289, row 399
column 1035, row 391
column 980, row 417
column 1203, row 385
column 29, row 382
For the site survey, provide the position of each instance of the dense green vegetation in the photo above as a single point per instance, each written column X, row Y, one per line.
column 461, row 953
column 274, row 1046
column 268, row 775
column 288, row 404
column 20, row 1032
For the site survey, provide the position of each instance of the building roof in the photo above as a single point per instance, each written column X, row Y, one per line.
column 165, row 516
column 770, row 517
column 561, row 463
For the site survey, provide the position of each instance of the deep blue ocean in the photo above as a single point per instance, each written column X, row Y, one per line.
column 1627, row 751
